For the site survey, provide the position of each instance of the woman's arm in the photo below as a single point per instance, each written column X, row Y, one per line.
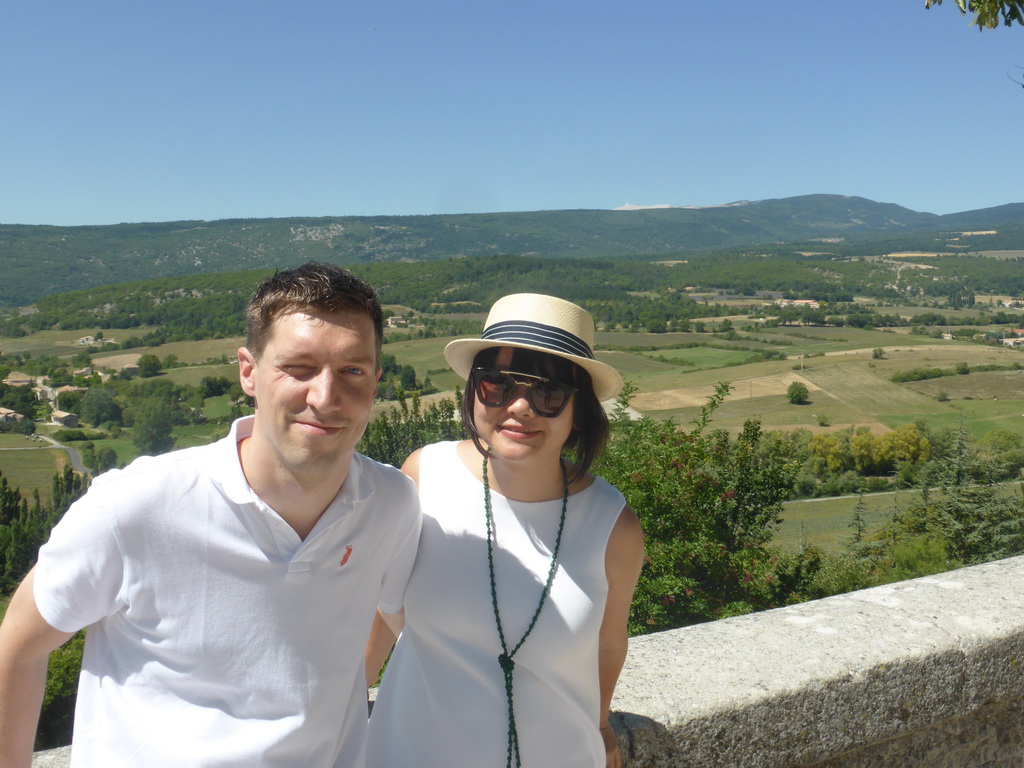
column 384, row 631
column 624, row 557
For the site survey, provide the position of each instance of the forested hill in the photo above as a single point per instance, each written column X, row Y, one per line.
column 40, row 260
column 627, row 292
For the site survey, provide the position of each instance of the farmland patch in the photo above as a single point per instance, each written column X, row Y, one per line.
column 32, row 467
column 862, row 390
column 986, row 385
column 687, row 397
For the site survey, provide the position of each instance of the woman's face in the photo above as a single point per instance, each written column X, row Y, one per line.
column 514, row 431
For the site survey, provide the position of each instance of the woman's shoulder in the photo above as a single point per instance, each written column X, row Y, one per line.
column 444, row 451
column 605, row 490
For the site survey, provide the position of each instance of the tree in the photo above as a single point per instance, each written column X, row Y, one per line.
column 99, row 407
column 25, row 530
column 148, row 365
column 408, row 378
column 833, row 449
column 987, row 13
column 151, row 433
column 214, row 386
column 797, row 393
column 971, row 520
column 707, row 504
column 105, row 458
column 397, row 432
column 20, row 399
column 858, row 522
column 864, row 452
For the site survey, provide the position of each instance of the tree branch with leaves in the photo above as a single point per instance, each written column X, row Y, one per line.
column 988, row 13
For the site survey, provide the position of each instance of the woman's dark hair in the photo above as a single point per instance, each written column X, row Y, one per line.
column 589, row 421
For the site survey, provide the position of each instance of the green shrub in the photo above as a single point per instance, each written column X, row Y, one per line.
column 58, row 713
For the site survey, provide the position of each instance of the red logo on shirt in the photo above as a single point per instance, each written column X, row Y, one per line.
column 348, row 554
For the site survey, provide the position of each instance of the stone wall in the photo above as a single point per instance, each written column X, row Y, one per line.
column 928, row 672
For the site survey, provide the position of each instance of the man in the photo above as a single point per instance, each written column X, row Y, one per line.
column 229, row 589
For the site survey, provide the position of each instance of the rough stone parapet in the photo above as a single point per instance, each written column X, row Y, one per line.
column 924, row 673
column 52, row 758
column 927, row 672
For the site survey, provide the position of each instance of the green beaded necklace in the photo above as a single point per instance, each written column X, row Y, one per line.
column 505, row 659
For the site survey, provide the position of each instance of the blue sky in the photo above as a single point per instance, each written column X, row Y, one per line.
column 117, row 111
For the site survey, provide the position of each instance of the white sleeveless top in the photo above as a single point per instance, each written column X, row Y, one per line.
column 442, row 702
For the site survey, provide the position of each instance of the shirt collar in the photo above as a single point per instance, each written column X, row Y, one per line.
column 227, row 467
column 228, row 474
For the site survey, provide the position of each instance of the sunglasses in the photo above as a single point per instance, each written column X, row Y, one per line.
column 495, row 388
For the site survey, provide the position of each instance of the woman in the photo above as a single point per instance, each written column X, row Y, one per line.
column 515, row 615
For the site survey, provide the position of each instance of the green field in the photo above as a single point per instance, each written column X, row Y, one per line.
column 186, row 437
column 30, row 468
column 62, row 343
column 703, row 357
column 192, row 375
column 426, row 355
column 194, row 352
column 985, row 385
column 217, row 407
column 825, row 523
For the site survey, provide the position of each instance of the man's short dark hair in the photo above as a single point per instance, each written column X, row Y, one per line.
column 314, row 285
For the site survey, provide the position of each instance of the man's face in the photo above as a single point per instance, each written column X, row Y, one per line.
column 314, row 385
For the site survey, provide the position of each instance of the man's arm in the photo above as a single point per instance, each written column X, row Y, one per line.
column 26, row 641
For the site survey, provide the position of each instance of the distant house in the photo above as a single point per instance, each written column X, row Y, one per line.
column 92, row 341
column 1016, row 341
column 18, row 379
column 64, row 418
column 812, row 303
column 6, row 414
column 69, row 388
column 87, row 371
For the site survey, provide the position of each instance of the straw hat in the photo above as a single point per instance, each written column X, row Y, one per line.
column 542, row 323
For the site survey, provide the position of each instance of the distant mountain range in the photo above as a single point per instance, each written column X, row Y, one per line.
column 38, row 260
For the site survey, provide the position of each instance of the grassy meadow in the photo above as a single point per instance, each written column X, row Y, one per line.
column 825, row 523
column 63, row 343
column 29, row 463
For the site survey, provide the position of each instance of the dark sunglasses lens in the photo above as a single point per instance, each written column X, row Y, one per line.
column 494, row 389
column 548, row 397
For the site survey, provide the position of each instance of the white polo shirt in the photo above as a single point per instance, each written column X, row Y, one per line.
column 217, row 637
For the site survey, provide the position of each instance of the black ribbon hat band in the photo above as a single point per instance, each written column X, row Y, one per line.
column 540, row 335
